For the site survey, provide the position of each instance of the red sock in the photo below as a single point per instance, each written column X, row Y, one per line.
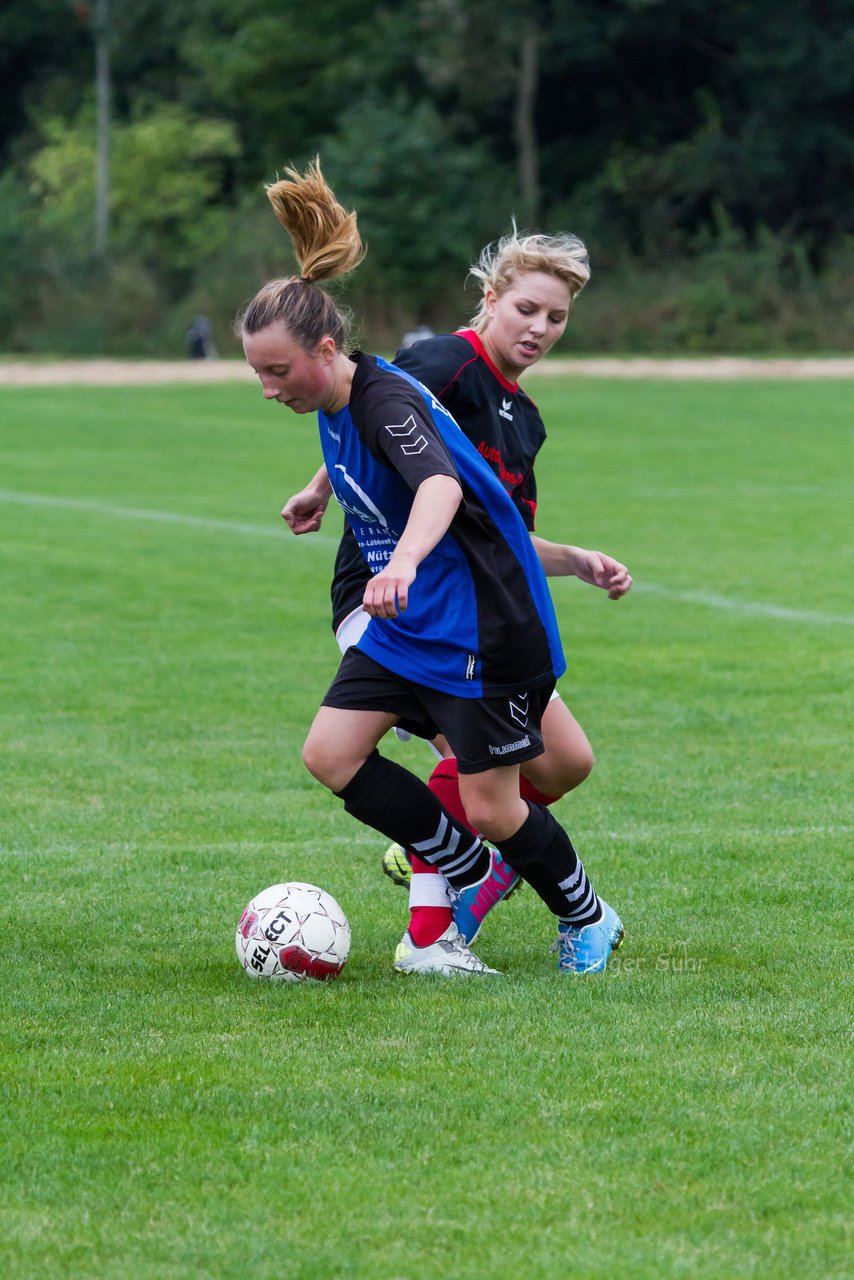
column 444, row 782
column 528, row 791
column 426, row 924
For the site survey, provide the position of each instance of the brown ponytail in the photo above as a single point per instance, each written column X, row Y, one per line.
column 326, row 243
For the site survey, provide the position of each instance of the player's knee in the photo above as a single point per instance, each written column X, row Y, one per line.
column 569, row 773
column 494, row 821
column 315, row 760
column 324, row 763
column 477, row 813
column 580, row 767
column 328, row 763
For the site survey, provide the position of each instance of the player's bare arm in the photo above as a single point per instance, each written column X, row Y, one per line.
column 594, row 567
column 434, row 507
column 304, row 512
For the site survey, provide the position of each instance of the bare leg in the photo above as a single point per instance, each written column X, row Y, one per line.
column 339, row 742
column 568, row 756
column 492, row 802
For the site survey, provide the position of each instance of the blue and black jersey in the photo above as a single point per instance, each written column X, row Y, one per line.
column 497, row 416
column 480, row 620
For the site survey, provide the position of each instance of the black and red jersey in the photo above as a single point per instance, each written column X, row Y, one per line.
column 497, row 416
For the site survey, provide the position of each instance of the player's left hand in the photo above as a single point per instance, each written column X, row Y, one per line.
column 601, row 570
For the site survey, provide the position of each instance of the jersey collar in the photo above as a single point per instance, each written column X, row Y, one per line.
column 474, row 340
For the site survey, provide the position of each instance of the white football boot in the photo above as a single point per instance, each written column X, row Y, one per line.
column 448, row 955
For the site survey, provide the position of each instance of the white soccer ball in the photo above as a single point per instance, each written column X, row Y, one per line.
column 291, row 932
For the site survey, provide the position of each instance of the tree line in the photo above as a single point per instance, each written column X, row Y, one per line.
column 704, row 153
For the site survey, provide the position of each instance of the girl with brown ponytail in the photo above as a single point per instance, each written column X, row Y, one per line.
column 461, row 639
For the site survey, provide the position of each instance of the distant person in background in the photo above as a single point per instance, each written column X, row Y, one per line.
column 200, row 340
column 420, row 333
column 528, row 284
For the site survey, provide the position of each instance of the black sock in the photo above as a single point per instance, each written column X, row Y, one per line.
column 542, row 853
column 399, row 805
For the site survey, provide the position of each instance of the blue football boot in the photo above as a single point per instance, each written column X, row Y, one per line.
column 587, row 950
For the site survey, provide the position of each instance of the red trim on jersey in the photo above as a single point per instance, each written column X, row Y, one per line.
column 474, row 340
column 454, row 377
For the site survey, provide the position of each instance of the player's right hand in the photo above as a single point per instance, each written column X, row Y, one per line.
column 304, row 512
column 387, row 592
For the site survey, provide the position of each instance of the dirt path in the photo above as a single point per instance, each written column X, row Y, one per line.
column 727, row 368
column 138, row 373
column 129, row 373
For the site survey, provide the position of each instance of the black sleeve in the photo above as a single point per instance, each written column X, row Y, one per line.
column 397, row 427
column 436, row 362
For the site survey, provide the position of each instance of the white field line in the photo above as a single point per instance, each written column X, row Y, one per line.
column 703, row 599
column 754, row 608
column 271, row 530
column 740, row 833
column 652, row 832
column 588, row 834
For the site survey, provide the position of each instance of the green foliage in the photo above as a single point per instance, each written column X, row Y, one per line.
column 165, row 645
column 166, row 220
column 729, row 296
column 45, row 58
column 17, row 244
column 166, row 169
column 287, row 78
column 409, row 175
column 671, row 109
column 675, row 137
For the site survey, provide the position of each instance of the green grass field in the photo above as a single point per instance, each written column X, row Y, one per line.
column 164, row 646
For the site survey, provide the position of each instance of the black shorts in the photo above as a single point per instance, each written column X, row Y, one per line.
column 482, row 732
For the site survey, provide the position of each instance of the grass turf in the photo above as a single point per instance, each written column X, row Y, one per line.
column 164, row 646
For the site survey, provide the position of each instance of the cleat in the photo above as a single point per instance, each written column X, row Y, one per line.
column 396, row 866
column 472, row 905
column 448, row 955
column 587, row 950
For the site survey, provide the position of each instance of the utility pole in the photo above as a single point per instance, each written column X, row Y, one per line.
column 524, row 127
column 101, row 32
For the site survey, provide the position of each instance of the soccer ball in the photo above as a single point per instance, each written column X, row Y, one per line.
column 293, row 931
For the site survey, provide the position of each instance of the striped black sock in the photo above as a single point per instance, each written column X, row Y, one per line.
column 542, row 853
column 396, row 803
